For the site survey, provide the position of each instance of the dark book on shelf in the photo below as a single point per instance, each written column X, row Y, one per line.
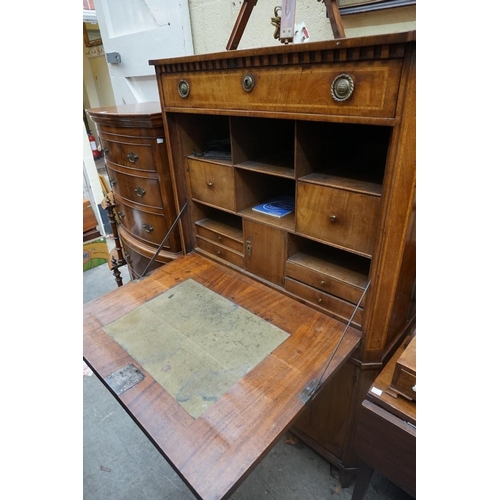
column 278, row 207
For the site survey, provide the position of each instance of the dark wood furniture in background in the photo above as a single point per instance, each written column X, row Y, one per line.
column 133, row 143
column 386, row 432
column 331, row 124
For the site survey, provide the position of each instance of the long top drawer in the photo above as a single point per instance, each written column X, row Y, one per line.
column 350, row 78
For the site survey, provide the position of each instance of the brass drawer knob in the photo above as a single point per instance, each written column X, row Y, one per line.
column 132, row 157
column 147, row 227
column 209, row 184
column 333, row 218
column 183, row 88
column 139, row 192
column 322, row 282
column 342, row 88
column 248, row 82
column 319, row 300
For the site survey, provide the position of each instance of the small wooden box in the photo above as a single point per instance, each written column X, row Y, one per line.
column 404, row 380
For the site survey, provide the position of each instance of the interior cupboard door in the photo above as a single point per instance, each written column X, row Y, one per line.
column 265, row 251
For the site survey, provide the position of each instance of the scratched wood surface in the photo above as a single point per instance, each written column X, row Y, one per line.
column 216, row 451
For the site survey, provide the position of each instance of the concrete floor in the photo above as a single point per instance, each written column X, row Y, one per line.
column 120, row 463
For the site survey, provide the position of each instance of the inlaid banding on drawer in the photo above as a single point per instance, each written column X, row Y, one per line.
column 141, row 190
column 334, row 305
column 294, row 89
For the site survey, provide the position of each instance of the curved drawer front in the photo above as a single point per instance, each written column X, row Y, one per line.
column 344, row 218
column 292, row 89
column 212, row 184
column 132, row 155
column 141, row 190
column 137, row 262
column 147, row 226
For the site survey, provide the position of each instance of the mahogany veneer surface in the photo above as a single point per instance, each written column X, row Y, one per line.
column 215, row 452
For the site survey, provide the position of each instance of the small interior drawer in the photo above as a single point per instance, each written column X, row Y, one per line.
column 221, row 252
column 344, row 218
column 220, row 234
column 139, row 189
column 331, row 279
column 212, row 184
column 338, row 307
column 129, row 154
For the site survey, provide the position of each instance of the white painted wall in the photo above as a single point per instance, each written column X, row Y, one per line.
column 212, row 22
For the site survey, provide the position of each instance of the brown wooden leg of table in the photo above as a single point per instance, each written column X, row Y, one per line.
column 362, row 481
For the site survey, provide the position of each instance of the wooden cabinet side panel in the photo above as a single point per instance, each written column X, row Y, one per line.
column 179, row 145
column 325, row 419
column 397, row 215
column 330, row 420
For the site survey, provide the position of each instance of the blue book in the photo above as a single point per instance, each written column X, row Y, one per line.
column 279, row 207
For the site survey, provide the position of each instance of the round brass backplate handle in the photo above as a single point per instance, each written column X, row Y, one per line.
column 248, row 82
column 183, row 88
column 342, row 88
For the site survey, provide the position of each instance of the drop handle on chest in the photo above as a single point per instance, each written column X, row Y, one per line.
column 132, row 157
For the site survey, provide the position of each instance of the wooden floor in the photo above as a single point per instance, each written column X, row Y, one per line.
column 216, row 451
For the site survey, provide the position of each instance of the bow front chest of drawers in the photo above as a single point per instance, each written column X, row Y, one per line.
column 332, row 126
column 133, row 142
